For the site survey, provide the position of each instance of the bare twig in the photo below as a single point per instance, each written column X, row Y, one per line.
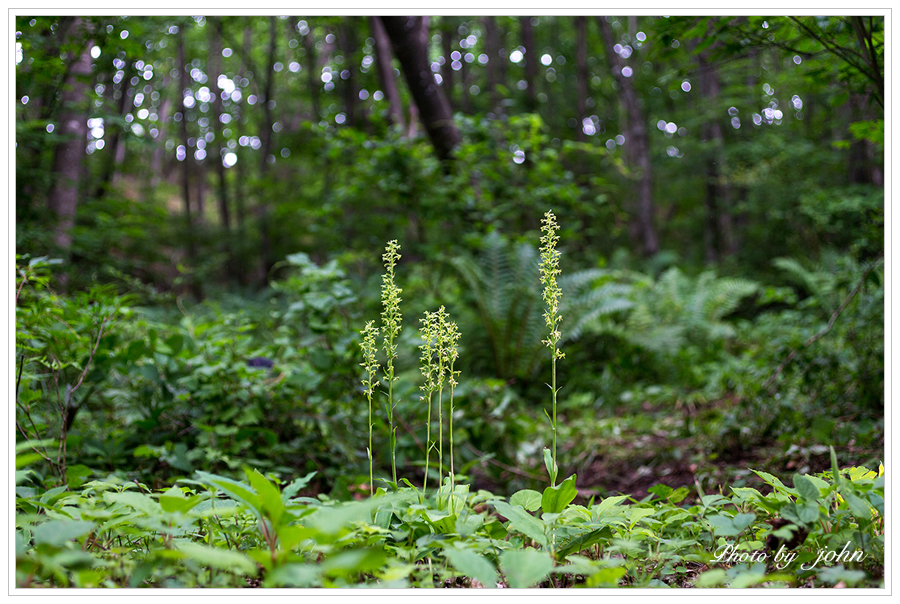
column 814, row 338
column 61, row 454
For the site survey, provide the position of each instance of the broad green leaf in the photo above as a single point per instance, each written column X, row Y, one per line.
column 742, row 521
column 583, row 541
column 528, row 499
column 836, row 574
column 555, row 499
column 222, row 559
column 272, row 505
column 747, row 579
column 354, row 561
column 636, row 514
column 723, row 525
column 806, row 488
column 473, row 565
column 606, row 577
column 174, row 500
column 57, row 532
column 294, row 575
column 859, row 508
column 138, row 501
column 607, row 503
column 522, row 521
column 525, row 567
column 711, row 578
column 236, row 490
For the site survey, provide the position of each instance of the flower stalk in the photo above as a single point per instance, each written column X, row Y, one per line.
column 391, row 319
column 549, row 269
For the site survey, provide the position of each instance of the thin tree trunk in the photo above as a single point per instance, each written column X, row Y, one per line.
column 447, row 71
column 718, row 224
column 184, row 84
column 386, row 72
column 312, row 80
column 410, row 42
column 159, row 153
column 115, row 142
column 531, row 61
column 69, row 154
column 350, row 89
column 637, row 144
column 581, row 71
column 268, row 260
column 492, row 44
column 215, row 152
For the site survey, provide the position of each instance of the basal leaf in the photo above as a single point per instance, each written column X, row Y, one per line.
column 555, row 499
column 522, row 521
column 527, row 498
column 525, row 567
column 473, row 565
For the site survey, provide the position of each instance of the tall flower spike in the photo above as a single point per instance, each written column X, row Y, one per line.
column 369, row 348
column 549, row 272
column 390, row 320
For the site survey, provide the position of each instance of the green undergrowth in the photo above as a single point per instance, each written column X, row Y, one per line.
column 824, row 530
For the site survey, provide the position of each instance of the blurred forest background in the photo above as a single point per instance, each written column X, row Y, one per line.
column 202, row 204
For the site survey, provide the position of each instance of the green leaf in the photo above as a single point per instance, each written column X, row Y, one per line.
column 606, row 577
column 473, row 565
column 806, row 488
column 859, row 508
column 222, row 559
column 552, row 468
column 522, row 521
column 234, row 489
column 723, row 525
column 294, row 575
column 711, row 578
column 174, row 500
column 57, row 532
column 354, row 561
column 582, row 541
column 555, row 499
column 272, row 505
column 525, row 567
column 528, row 499
column 742, row 521
column 138, row 501
column 608, row 503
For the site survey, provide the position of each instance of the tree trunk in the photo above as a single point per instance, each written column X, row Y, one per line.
column 386, row 72
column 581, row 71
column 312, row 81
column 268, row 260
column 215, row 153
column 350, row 88
column 447, row 71
column 531, row 61
column 184, row 84
column 410, row 42
column 637, row 145
column 492, row 44
column 116, row 144
column 718, row 238
column 69, row 154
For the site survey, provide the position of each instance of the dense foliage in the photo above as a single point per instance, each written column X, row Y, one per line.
column 224, row 378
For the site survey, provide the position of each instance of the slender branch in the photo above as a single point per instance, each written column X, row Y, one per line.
column 815, row 337
column 33, row 448
column 21, row 285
